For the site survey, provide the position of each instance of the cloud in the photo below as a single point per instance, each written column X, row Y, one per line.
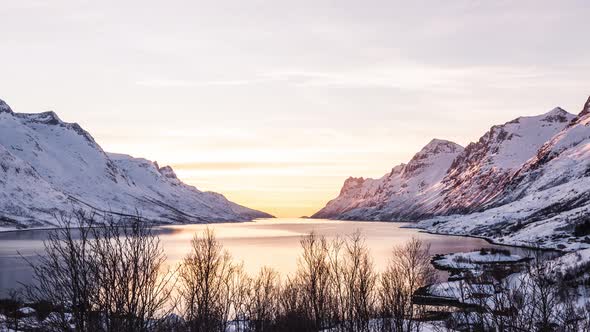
column 195, row 83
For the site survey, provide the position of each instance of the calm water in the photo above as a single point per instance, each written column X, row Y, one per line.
column 271, row 242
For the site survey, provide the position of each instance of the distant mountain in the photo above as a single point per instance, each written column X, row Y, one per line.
column 405, row 192
column 526, row 181
column 48, row 166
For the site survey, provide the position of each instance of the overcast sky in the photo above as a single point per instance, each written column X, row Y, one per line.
column 274, row 103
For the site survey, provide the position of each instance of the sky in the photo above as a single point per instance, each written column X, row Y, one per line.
column 275, row 103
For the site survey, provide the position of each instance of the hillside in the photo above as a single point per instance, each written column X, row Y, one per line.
column 50, row 167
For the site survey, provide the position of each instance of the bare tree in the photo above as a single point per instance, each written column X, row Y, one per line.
column 359, row 279
column 206, row 284
column 108, row 278
column 337, row 263
column 533, row 299
column 64, row 274
column 408, row 270
column 134, row 285
column 293, row 315
column 98, row 276
column 263, row 303
column 240, row 285
column 313, row 276
column 542, row 289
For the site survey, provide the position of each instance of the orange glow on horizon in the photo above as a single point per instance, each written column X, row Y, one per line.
column 274, row 191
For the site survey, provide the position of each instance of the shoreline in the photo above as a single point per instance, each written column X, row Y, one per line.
column 408, row 224
column 411, row 225
column 491, row 241
column 4, row 231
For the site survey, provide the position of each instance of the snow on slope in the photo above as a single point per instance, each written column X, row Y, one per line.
column 456, row 181
column 543, row 201
column 24, row 193
column 480, row 173
column 526, row 182
column 403, row 193
column 62, row 167
column 161, row 187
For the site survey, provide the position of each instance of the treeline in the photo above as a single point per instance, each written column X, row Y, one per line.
column 97, row 276
column 334, row 288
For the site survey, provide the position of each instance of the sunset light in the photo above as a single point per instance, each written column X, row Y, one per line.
column 294, row 166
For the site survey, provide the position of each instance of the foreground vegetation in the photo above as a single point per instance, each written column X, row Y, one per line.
column 100, row 277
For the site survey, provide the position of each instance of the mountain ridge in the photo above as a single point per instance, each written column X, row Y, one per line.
column 412, row 184
column 76, row 173
column 530, row 171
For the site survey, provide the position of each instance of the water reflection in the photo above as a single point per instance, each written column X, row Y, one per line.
column 275, row 242
column 271, row 242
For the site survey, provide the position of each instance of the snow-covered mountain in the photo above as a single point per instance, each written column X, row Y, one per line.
column 48, row 166
column 524, row 182
column 404, row 193
column 479, row 175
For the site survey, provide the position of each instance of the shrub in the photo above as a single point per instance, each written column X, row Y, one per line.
column 500, row 251
column 582, row 228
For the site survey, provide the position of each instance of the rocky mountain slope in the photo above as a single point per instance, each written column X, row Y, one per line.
column 524, row 182
column 48, row 166
column 405, row 192
column 480, row 174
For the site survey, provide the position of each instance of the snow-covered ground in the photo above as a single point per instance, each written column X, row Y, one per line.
column 474, row 259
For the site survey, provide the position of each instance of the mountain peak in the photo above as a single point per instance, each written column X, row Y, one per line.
column 557, row 114
column 351, row 183
column 583, row 116
column 437, row 145
column 431, row 154
column 586, row 109
column 49, row 117
column 168, row 172
column 4, row 107
column 438, row 141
